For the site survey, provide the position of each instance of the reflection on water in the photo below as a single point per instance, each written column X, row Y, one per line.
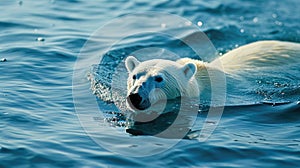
column 175, row 122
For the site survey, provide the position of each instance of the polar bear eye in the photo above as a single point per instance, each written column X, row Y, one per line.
column 158, row 79
column 134, row 77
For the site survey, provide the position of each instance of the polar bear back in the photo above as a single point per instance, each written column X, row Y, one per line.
column 260, row 54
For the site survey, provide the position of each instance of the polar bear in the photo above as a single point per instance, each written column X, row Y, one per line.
column 154, row 80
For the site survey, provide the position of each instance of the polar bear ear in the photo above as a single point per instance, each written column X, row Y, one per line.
column 131, row 62
column 189, row 70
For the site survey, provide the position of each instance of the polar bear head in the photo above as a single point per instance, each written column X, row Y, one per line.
column 152, row 81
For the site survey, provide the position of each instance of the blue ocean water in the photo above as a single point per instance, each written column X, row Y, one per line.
column 41, row 41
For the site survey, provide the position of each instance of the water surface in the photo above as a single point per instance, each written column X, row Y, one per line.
column 42, row 39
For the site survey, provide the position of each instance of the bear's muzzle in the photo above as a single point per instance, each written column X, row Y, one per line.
column 135, row 101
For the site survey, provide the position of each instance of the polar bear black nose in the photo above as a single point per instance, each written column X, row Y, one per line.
column 135, row 99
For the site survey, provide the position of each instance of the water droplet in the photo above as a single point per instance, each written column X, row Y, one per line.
column 274, row 15
column 255, row 20
column 278, row 23
column 236, row 46
column 163, row 25
column 199, row 23
column 242, row 30
column 40, row 39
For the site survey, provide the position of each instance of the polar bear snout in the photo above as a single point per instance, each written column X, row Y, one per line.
column 135, row 101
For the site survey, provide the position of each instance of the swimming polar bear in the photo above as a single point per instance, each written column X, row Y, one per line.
column 155, row 80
